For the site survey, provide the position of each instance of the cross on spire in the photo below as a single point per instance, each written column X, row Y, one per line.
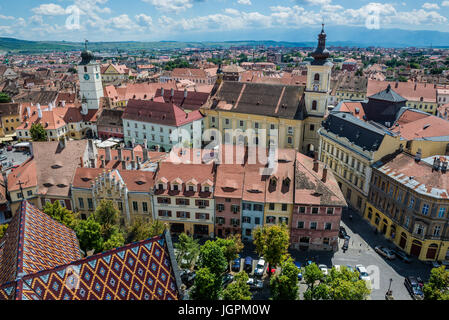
column 85, row 43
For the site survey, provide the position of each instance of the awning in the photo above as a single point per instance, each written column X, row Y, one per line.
column 22, row 145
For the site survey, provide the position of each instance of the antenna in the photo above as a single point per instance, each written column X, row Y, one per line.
column 21, row 189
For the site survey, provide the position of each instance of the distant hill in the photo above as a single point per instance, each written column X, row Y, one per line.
column 305, row 37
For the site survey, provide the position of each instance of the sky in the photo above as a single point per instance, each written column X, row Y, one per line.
column 156, row 20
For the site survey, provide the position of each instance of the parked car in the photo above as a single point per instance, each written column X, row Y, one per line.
column 401, row 255
column 342, row 234
column 227, row 279
column 248, row 264
column 363, row 273
column 260, row 267
column 272, row 270
column 3, row 158
column 255, row 284
column 413, row 287
column 236, row 264
column 350, row 268
column 385, row 252
column 9, row 148
column 298, row 265
column 323, row 269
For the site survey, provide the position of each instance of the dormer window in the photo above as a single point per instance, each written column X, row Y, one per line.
column 191, row 188
column 160, row 186
column 273, row 182
column 286, row 182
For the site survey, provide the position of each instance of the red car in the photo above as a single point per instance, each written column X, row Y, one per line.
column 9, row 148
column 13, row 168
column 273, row 270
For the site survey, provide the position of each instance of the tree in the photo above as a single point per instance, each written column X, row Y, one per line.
column 438, row 286
column 115, row 240
column 89, row 236
column 285, row 285
column 157, row 228
column 3, row 228
column 60, row 214
column 238, row 289
column 312, row 276
column 231, row 246
column 188, row 251
column 346, row 285
column 207, row 285
column 4, row 98
column 107, row 215
column 37, row 132
column 212, row 257
column 138, row 231
column 272, row 243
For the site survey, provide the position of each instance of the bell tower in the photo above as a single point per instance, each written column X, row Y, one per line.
column 91, row 87
column 318, row 79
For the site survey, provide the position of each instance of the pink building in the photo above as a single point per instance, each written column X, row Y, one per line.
column 318, row 206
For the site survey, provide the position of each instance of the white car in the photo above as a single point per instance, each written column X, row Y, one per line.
column 363, row 273
column 435, row 264
column 323, row 269
column 260, row 267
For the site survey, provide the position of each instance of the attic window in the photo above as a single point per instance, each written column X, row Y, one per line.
column 48, row 185
column 56, row 166
column 317, row 194
column 426, row 126
column 254, row 191
column 86, row 179
column 61, row 185
column 140, row 182
column 273, row 182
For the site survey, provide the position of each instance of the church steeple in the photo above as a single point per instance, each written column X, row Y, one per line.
column 321, row 54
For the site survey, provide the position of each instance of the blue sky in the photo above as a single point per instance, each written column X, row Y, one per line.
column 154, row 20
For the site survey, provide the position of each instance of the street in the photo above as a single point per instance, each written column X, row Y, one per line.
column 13, row 158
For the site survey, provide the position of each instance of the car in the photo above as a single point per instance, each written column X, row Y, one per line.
column 3, row 158
column 248, row 266
column 255, row 284
column 345, row 244
column 272, row 271
column 260, row 267
column 9, row 148
column 298, row 265
column 363, row 273
column 385, row 252
column 342, row 234
column 236, row 264
column 413, row 287
column 435, row 264
column 227, row 279
column 401, row 255
column 323, row 269
column 350, row 268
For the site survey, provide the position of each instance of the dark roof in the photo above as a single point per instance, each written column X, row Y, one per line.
column 9, row 109
column 110, row 117
column 145, row 270
column 41, row 97
column 363, row 134
column 273, row 100
column 347, row 82
column 193, row 101
column 388, row 95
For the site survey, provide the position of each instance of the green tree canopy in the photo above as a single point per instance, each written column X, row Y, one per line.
column 138, row 231
column 207, row 285
column 60, row 214
column 285, row 285
column 212, row 257
column 3, row 228
column 272, row 243
column 115, row 240
column 4, row 98
column 89, row 235
column 238, row 289
column 188, row 251
column 37, row 132
column 346, row 285
column 107, row 215
column 231, row 246
column 437, row 288
column 157, row 228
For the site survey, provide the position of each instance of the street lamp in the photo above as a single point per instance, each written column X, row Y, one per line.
column 391, row 280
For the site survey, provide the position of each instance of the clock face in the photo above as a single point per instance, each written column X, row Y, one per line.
column 86, row 77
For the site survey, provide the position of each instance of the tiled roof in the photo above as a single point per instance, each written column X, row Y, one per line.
column 412, row 91
column 25, row 173
column 285, row 169
column 145, row 270
column 34, row 242
column 422, row 128
column 193, row 101
column 161, row 113
column 9, row 109
column 388, row 95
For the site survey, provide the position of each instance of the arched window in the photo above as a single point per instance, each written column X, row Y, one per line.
column 317, row 77
column 314, row 105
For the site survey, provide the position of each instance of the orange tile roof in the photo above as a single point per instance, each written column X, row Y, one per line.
column 285, row 169
column 412, row 91
column 424, row 127
column 25, row 173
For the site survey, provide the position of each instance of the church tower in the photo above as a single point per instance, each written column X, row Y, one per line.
column 318, row 79
column 91, row 88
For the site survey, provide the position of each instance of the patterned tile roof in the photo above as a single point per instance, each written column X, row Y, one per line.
column 145, row 270
column 34, row 242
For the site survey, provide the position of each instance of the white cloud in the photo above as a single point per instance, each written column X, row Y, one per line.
column 171, row 5
column 49, row 9
column 317, row 2
column 429, row 6
column 6, row 17
column 245, row 2
column 445, row 4
column 144, row 20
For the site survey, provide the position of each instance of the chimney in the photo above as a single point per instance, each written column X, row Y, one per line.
column 185, row 93
column 415, row 86
column 324, row 178
column 103, row 163
column 108, row 154
column 316, row 165
column 39, row 111
column 162, row 92
column 81, row 162
column 63, row 103
column 172, row 94
column 133, row 155
column 133, row 164
column 63, row 142
column 120, row 155
column 315, row 155
column 29, row 112
column 123, row 165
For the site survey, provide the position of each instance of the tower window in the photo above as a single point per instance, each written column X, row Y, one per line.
column 314, row 105
column 85, row 69
column 317, row 77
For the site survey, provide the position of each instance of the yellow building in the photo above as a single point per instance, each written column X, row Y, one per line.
column 112, row 72
column 408, row 204
column 10, row 118
column 129, row 190
column 350, row 87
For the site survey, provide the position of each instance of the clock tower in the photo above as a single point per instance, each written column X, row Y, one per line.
column 91, row 87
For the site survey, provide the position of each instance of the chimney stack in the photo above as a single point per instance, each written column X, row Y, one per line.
column 39, row 111
column 324, row 178
column 29, row 112
column 315, row 155
column 120, row 155
column 81, row 162
column 108, row 154
column 162, row 92
column 123, row 165
column 185, row 93
column 316, row 165
column 103, row 163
